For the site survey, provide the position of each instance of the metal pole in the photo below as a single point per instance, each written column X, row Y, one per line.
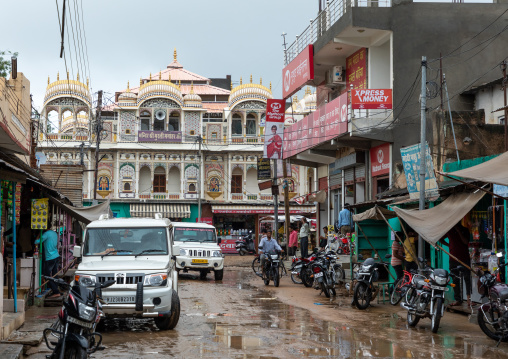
column 286, row 205
column 14, row 246
column 275, row 201
column 98, row 140
column 423, row 148
column 199, row 178
column 503, row 67
column 505, row 245
column 451, row 120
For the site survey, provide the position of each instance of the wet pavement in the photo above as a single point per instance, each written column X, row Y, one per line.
column 239, row 318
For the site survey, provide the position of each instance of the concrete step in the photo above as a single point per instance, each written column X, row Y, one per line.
column 11, row 351
column 11, row 322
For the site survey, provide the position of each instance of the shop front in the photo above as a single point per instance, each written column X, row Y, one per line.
column 233, row 222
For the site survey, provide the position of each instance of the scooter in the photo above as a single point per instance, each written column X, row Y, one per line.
column 78, row 318
column 246, row 245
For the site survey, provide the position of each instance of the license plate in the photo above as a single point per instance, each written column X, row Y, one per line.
column 317, row 275
column 79, row 322
column 126, row 299
column 444, row 289
column 200, row 261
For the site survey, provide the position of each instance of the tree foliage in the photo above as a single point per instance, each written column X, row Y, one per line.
column 5, row 62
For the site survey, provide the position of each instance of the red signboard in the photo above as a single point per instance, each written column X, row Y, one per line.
column 207, row 220
column 303, row 210
column 356, row 69
column 228, row 245
column 379, row 99
column 298, row 72
column 336, row 117
column 380, row 160
column 275, row 110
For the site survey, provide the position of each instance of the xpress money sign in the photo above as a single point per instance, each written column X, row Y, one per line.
column 298, row 72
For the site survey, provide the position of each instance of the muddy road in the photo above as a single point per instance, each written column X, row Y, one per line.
column 241, row 318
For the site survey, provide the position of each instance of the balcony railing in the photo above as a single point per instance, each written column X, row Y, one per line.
column 333, row 11
column 237, row 197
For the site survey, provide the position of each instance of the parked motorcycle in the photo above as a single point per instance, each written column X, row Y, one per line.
column 301, row 271
column 365, row 290
column 272, row 265
column 78, row 318
column 493, row 315
column 326, row 273
column 425, row 298
column 246, row 245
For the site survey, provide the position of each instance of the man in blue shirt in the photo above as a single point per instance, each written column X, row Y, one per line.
column 267, row 244
column 51, row 257
column 345, row 221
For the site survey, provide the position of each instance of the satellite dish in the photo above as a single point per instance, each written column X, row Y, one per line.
column 160, row 115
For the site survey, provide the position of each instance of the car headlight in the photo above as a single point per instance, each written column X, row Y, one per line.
column 183, row 252
column 85, row 280
column 86, row 312
column 156, row 280
column 216, row 254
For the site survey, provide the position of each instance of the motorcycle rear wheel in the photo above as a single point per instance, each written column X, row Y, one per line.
column 436, row 317
column 490, row 330
column 412, row 319
column 306, row 279
column 276, row 278
column 396, row 296
column 75, row 352
column 361, row 296
column 296, row 278
column 325, row 290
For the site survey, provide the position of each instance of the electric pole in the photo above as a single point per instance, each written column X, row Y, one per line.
column 503, row 68
column 275, row 192
column 423, row 149
column 200, row 140
column 98, row 129
column 286, row 204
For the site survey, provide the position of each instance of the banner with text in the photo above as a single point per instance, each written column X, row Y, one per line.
column 274, row 129
column 380, row 160
column 264, row 169
column 356, row 70
column 411, row 162
column 380, row 99
column 298, row 72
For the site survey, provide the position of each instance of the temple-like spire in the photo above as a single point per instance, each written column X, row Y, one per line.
column 128, row 88
column 77, row 77
column 140, row 81
column 58, row 76
column 174, row 55
column 260, row 80
column 250, row 78
column 67, row 75
column 160, row 75
column 240, row 80
column 48, row 80
column 150, row 76
column 192, row 87
column 270, row 85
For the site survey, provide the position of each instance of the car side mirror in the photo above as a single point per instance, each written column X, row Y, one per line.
column 176, row 250
column 76, row 251
column 219, row 240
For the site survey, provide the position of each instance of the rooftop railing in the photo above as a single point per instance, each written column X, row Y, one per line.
column 333, row 11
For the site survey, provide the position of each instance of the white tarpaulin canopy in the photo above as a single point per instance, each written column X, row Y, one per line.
column 85, row 214
column 433, row 223
column 493, row 171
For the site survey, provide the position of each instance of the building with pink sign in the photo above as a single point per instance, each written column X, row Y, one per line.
column 149, row 151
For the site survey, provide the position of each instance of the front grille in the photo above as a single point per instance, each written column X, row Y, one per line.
column 198, row 253
column 121, row 278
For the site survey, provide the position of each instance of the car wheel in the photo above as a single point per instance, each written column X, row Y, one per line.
column 218, row 274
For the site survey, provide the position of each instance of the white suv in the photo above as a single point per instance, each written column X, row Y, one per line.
column 138, row 254
column 199, row 249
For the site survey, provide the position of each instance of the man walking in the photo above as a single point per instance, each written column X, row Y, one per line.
column 345, row 221
column 410, row 250
column 304, row 238
column 293, row 241
column 49, row 240
column 265, row 247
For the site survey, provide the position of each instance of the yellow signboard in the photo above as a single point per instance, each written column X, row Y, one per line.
column 40, row 212
column 330, row 228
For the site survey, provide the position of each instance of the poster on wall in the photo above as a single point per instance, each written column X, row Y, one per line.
column 411, row 162
column 40, row 212
column 274, row 129
column 380, row 160
column 264, row 169
column 356, row 70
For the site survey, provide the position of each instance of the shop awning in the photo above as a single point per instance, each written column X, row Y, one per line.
column 433, row 223
column 174, row 210
column 373, row 213
column 84, row 214
column 261, row 209
column 493, row 171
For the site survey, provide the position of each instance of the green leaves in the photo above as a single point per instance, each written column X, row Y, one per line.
column 5, row 62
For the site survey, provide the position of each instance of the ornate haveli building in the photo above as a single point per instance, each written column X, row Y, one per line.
column 150, row 140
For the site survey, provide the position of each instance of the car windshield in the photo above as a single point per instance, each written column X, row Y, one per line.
column 122, row 242
column 186, row 234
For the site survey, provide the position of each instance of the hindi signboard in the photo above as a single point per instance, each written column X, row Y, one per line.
column 160, row 136
column 380, row 160
column 411, row 162
column 356, row 70
column 274, row 129
column 264, row 169
column 298, row 72
column 380, row 99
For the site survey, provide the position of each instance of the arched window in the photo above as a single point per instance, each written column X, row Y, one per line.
column 145, row 120
column 159, row 180
column 251, row 125
column 127, row 187
column 192, row 188
column 174, row 121
column 236, row 125
column 237, row 181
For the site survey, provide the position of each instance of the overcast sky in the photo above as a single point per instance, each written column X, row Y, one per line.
column 128, row 39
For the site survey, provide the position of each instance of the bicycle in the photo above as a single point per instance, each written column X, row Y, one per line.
column 400, row 289
column 256, row 266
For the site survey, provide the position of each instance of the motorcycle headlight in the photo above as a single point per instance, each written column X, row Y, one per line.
column 440, row 280
column 156, row 280
column 216, row 254
column 366, row 268
column 86, row 312
column 85, row 280
column 183, row 252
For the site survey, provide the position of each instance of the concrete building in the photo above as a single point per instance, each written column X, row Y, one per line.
column 383, row 42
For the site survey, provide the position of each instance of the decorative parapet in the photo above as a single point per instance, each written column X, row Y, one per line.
column 160, row 88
